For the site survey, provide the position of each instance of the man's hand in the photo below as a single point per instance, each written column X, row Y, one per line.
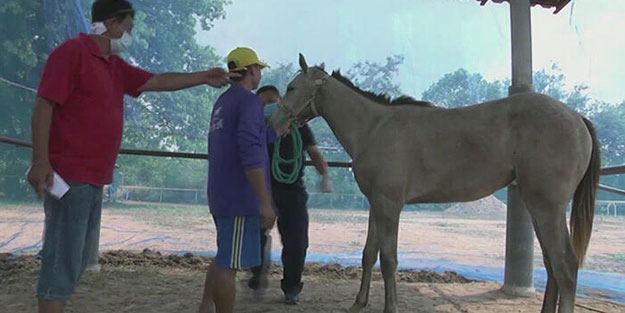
column 218, row 77
column 325, row 184
column 284, row 128
column 267, row 216
column 40, row 177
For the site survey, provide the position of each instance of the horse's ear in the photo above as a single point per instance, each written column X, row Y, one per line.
column 322, row 66
column 302, row 63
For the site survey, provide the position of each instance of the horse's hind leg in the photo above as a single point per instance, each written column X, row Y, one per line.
column 369, row 257
column 552, row 232
column 550, row 301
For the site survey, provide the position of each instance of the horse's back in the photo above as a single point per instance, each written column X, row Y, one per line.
column 465, row 153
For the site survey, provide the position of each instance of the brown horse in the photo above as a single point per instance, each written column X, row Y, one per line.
column 407, row 151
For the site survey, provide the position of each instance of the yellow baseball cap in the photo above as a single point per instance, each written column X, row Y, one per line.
column 241, row 57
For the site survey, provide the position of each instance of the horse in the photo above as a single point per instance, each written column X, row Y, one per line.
column 406, row 151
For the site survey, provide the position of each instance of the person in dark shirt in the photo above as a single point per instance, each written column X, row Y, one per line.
column 290, row 200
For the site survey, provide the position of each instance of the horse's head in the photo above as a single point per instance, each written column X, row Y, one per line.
column 299, row 100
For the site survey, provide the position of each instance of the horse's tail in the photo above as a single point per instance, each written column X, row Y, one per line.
column 583, row 210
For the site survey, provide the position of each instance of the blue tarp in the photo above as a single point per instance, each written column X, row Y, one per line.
column 608, row 286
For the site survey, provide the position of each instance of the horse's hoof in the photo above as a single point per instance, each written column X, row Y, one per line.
column 392, row 309
column 356, row 307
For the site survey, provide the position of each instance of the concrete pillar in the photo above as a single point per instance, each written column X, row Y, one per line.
column 521, row 39
column 519, row 272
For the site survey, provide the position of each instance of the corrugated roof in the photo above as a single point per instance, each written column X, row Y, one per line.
column 557, row 4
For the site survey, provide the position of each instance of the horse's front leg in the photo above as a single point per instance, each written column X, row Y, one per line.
column 388, row 260
column 369, row 257
column 385, row 214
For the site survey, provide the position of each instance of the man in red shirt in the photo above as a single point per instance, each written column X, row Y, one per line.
column 77, row 126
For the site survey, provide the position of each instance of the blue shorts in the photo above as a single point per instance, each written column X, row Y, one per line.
column 238, row 241
column 72, row 228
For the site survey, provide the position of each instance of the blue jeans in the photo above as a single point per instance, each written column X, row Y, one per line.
column 72, row 228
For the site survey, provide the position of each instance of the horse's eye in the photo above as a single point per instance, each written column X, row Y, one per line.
column 289, row 89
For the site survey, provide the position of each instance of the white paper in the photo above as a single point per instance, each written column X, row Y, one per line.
column 59, row 186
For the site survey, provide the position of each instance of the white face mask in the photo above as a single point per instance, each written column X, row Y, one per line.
column 118, row 45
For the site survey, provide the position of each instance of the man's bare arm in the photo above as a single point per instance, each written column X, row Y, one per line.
column 40, row 174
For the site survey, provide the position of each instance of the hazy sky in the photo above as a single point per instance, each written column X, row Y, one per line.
column 435, row 36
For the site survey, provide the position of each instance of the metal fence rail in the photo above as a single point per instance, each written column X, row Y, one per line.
column 155, row 153
column 611, row 170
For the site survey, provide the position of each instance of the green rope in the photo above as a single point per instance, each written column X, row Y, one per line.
column 280, row 175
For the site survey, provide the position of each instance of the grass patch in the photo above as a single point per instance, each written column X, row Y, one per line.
column 619, row 257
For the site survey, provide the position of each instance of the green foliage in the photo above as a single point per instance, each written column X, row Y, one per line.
column 619, row 257
column 164, row 36
column 376, row 77
column 462, row 88
column 164, row 40
column 279, row 75
column 22, row 42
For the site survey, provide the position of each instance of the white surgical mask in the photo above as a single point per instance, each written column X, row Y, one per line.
column 118, row 45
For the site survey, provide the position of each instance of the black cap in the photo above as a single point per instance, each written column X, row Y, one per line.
column 102, row 10
column 267, row 88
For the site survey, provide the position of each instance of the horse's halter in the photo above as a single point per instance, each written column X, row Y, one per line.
column 311, row 101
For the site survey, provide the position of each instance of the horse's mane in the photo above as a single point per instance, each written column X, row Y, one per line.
column 380, row 98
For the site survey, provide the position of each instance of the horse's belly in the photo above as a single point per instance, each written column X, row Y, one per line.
column 460, row 188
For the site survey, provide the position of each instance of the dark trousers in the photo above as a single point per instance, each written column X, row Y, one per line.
column 293, row 228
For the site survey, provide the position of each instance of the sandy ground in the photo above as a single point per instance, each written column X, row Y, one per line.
column 128, row 284
column 149, row 282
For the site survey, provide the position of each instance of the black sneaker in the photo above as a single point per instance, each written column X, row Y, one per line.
column 258, row 285
column 254, row 282
column 291, row 298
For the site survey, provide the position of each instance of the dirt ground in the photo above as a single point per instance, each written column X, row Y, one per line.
column 149, row 282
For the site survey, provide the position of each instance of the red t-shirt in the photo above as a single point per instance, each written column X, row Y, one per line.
column 87, row 123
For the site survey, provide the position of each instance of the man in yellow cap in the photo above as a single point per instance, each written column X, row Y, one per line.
column 238, row 180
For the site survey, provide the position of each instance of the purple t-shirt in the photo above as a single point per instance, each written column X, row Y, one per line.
column 237, row 141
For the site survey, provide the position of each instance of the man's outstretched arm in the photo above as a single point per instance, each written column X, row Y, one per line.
column 214, row 77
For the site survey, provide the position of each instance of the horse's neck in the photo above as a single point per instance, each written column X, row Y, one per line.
column 349, row 114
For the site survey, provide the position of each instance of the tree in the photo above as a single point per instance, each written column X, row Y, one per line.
column 376, row 77
column 164, row 40
column 461, row 88
column 610, row 126
column 552, row 83
column 279, row 75
column 23, row 52
column 164, row 36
